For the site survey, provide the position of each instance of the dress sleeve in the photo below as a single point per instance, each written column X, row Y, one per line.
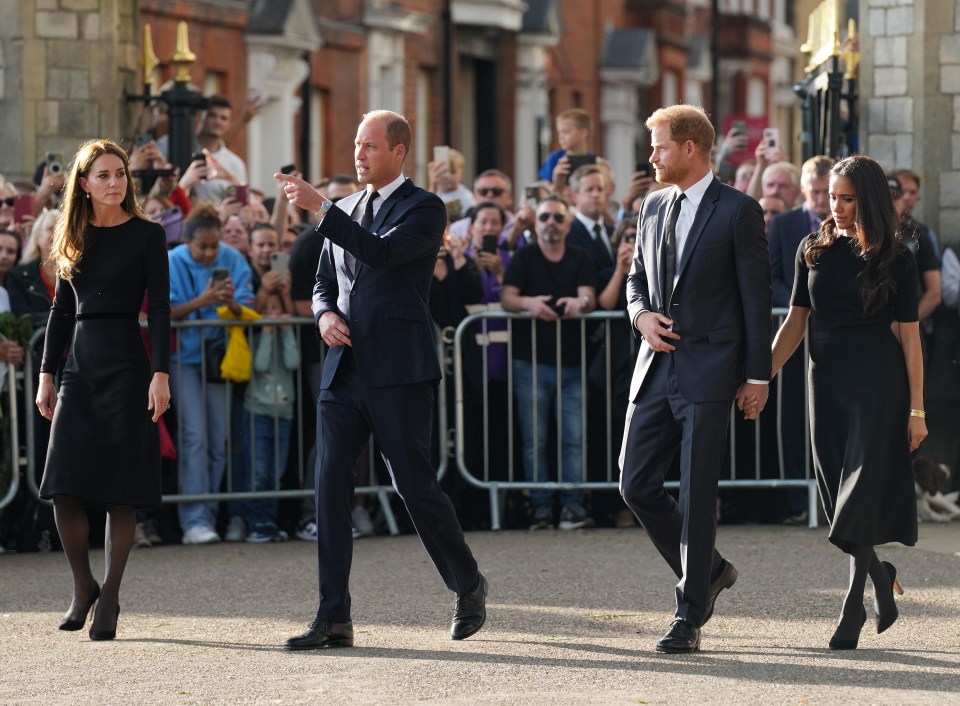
column 60, row 325
column 801, row 287
column 907, row 297
column 157, row 269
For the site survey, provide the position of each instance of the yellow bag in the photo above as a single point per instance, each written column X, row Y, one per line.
column 237, row 359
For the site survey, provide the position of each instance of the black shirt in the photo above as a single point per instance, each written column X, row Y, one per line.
column 533, row 274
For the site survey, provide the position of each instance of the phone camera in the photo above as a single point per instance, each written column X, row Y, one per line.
column 54, row 166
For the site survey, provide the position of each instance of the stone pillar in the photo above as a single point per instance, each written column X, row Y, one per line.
column 64, row 68
column 910, row 88
column 618, row 106
column 533, row 108
column 278, row 73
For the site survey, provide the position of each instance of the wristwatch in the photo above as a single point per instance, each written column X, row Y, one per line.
column 324, row 207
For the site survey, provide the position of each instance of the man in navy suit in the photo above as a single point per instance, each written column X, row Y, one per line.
column 588, row 185
column 370, row 303
column 699, row 295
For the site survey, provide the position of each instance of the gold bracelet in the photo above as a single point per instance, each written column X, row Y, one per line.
column 918, row 413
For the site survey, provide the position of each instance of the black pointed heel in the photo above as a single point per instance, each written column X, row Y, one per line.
column 887, row 619
column 838, row 642
column 74, row 625
column 97, row 635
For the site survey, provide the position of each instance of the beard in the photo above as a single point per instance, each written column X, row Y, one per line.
column 673, row 174
column 550, row 234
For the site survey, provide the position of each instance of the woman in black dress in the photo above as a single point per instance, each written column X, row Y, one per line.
column 104, row 445
column 857, row 284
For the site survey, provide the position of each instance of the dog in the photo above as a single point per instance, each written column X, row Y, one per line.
column 933, row 505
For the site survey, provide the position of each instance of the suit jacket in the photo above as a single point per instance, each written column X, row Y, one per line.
column 583, row 239
column 391, row 332
column 721, row 301
column 786, row 232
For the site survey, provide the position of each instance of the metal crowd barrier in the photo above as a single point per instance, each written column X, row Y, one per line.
column 498, row 480
column 382, row 490
column 15, row 459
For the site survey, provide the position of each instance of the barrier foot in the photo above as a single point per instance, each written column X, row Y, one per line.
column 812, row 506
column 494, row 508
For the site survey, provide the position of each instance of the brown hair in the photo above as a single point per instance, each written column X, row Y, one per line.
column 398, row 129
column 580, row 173
column 817, row 167
column 686, row 122
column 68, row 235
column 578, row 116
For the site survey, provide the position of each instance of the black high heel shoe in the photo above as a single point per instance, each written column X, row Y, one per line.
column 96, row 635
column 848, row 642
column 73, row 625
column 887, row 619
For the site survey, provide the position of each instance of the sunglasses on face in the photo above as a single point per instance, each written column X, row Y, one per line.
column 547, row 215
column 495, row 191
column 9, row 201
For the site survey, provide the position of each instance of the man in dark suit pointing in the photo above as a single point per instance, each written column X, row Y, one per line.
column 370, row 305
column 699, row 295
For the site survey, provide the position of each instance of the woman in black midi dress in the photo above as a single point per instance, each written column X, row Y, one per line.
column 857, row 284
column 104, row 444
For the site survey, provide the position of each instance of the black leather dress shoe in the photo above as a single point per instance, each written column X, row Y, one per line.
column 681, row 637
column 726, row 579
column 471, row 612
column 322, row 633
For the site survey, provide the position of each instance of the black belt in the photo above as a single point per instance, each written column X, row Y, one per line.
column 107, row 315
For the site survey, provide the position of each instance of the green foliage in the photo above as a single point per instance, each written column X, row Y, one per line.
column 17, row 328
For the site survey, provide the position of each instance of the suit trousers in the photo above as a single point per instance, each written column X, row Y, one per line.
column 660, row 423
column 400, row 418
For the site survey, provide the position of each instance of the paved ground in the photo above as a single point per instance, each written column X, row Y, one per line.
column 573, row 618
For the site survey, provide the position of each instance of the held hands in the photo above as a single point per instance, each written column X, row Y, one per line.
column 158, row 396
column 916, row 432
column 751, row 399
column 654, row 329
column 334, row 330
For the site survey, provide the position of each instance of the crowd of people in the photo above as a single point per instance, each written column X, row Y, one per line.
column 384, row 265
column 235, row 251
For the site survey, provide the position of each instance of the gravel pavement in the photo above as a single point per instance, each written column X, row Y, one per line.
column 572, row 619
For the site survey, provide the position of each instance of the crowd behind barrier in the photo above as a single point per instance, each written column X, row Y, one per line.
column 30, row 460
column 748, row 463
column 492, row 467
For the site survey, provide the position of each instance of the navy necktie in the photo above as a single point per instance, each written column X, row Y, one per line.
column 603, row 242
column 365, row 222
column 670, row 251
column 367, row 219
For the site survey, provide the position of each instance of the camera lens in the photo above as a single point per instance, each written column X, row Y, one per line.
column 54, row 168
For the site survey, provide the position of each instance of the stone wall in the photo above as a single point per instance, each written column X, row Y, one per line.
column 910, row 88
column 64, row 68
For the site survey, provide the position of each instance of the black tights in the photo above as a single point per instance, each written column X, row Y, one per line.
column 74, row 529
column 863, row 563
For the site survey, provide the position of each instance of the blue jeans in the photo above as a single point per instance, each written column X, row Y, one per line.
column 203, row 418
column 534, row 439
column 265, row 452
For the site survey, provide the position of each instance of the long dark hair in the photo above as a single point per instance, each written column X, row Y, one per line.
column 875, row 230
column 68, row 238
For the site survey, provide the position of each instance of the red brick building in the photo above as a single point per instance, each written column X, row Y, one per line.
column 485, row 76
